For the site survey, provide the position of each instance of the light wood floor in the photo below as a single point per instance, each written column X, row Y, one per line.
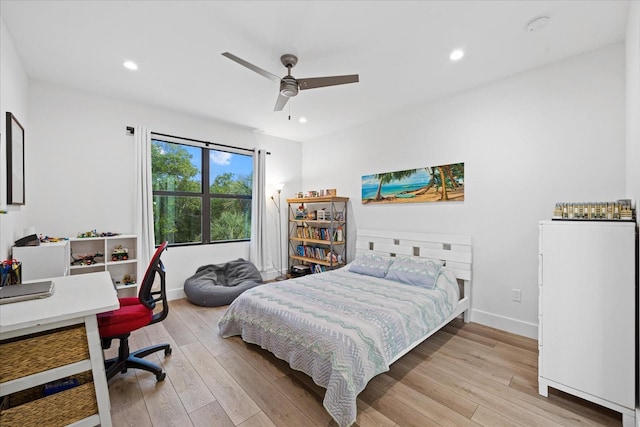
column 466, row 374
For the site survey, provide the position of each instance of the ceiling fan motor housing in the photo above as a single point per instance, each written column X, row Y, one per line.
column 288, row 86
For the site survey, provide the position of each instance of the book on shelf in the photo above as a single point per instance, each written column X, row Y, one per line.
column 318, row 233
column 332, row 257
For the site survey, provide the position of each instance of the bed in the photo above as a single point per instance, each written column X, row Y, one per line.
column 345, row 326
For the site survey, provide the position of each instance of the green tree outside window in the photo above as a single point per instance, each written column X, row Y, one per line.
column 186, row 214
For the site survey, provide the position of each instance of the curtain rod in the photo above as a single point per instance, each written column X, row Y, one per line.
column 131, row 131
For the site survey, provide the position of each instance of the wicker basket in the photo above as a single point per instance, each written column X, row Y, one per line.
column 31, row 354
column 28, row 408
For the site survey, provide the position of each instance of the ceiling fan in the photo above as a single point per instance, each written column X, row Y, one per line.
column 289, row 85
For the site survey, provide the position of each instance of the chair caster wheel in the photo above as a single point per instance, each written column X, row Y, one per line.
column 168, row 351
column 161, row 377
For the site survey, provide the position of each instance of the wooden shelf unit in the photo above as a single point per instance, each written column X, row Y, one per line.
column 323, row 241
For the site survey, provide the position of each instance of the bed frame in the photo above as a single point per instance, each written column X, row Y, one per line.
column 455, row 250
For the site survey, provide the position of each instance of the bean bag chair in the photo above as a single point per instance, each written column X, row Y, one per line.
column 219, row 284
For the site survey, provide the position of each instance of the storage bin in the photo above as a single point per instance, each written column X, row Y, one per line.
column 30, row 408
column 31, row 354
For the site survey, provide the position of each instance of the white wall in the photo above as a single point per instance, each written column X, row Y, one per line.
column 14, row 87
column 81, row 165
column 632, row 43
column 547, row 135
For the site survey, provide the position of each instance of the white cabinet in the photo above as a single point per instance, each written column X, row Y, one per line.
column 118, row 267
column 587, row 306
column 43, row 261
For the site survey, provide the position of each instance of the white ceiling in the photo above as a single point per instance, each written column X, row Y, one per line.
column 400, row 49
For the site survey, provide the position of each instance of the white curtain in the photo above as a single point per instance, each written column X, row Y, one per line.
column 258, row 251
column 143, row 212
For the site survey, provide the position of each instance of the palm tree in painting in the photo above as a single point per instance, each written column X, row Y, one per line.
column 388, row 177
column 455, row 174
column 444, row 178
column 444, row 195
column 450, row 176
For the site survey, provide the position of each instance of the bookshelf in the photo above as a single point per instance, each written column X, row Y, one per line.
column 317, row 232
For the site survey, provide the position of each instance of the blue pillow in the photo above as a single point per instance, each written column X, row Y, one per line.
column 415, row 271
column 371, row 265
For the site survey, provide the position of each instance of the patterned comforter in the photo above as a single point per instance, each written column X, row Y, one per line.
column 338, row 327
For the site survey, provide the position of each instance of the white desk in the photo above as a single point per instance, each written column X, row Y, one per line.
column 76, row 300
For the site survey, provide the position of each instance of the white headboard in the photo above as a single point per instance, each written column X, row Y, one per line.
column 454, row 249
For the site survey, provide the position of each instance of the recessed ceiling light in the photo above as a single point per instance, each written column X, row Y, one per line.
column 302, row 120
column 456, row 55
column 130, row 65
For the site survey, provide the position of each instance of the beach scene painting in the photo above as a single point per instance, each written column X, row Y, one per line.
column 443, row 183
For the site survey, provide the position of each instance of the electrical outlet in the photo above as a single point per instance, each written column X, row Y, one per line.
column 517, row 295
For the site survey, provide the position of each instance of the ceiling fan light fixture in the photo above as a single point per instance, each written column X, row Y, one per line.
column 288, row 88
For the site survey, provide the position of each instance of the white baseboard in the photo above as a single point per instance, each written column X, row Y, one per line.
column 508, row 324
column 175, row 294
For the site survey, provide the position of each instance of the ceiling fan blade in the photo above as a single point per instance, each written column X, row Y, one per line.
column 280, row 102
column 314, row 82
column 252, row 67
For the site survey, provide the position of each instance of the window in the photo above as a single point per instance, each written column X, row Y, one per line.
column 200, row 194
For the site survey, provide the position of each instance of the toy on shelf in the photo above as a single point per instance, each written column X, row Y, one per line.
column 91, row 233
column 301, row 212
column 86, row 259
column 119, row 254
column 49, row 239
column 128, row 279
column 620, row 210
column 94, row 233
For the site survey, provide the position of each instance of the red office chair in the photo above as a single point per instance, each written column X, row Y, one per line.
column 134, row 313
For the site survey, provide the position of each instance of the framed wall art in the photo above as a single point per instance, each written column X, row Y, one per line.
column 15, row 161
column 442, row 183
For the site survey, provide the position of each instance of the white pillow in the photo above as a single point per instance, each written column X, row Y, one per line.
column 371, row 265
column 415, row 271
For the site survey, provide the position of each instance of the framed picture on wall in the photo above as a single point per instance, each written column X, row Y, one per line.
column 442, row 183
column 15, row 161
